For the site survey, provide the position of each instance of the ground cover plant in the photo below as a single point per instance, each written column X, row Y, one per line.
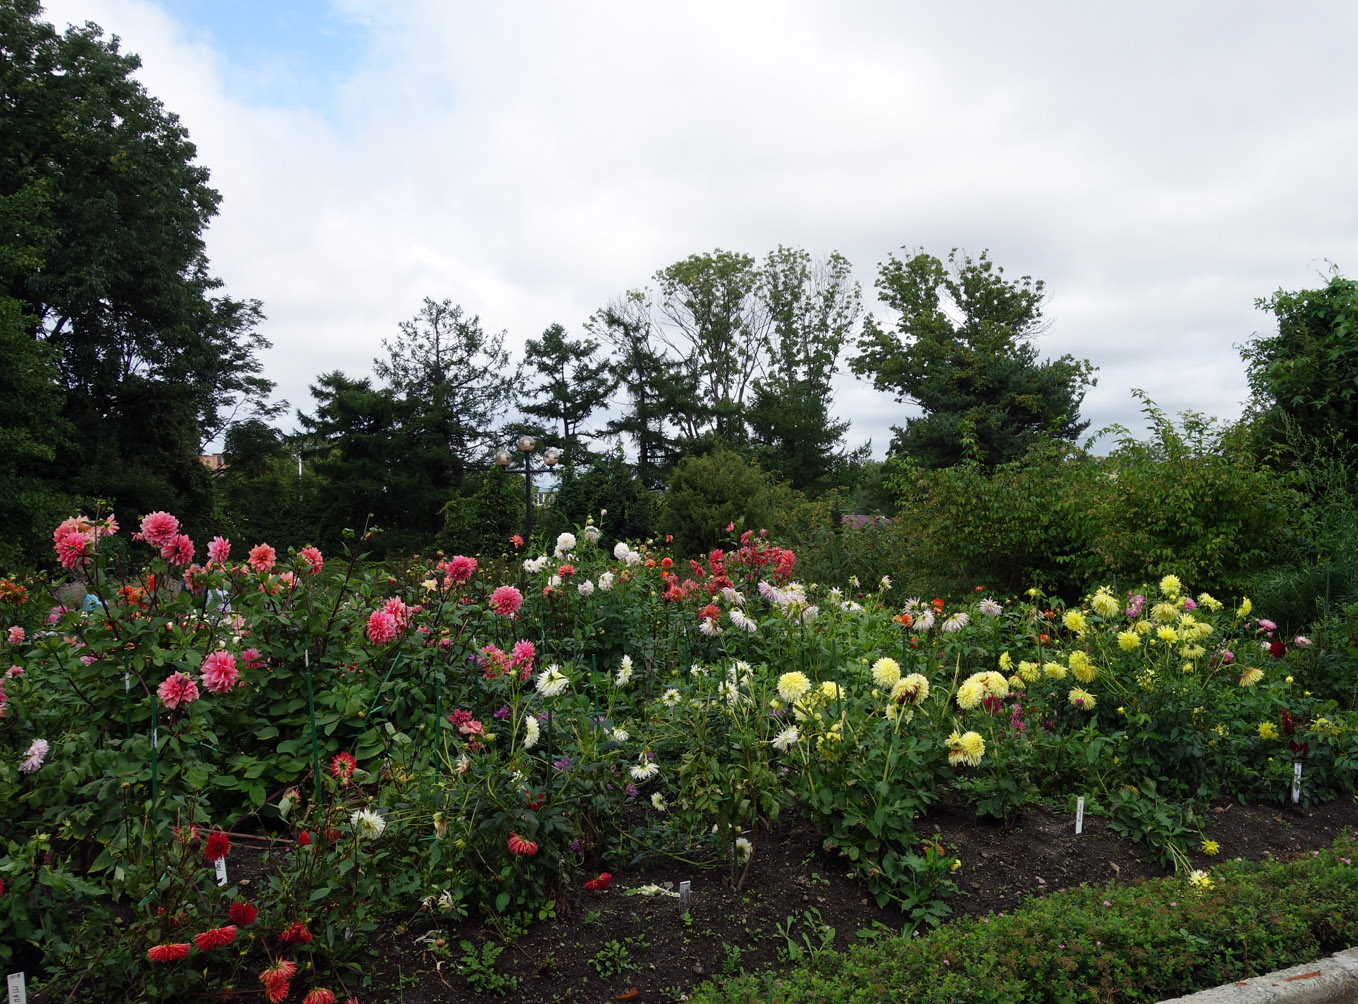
column 484, row 739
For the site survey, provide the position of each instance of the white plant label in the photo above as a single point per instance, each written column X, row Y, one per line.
column 1296, row 782
column 221, row 871
column 1080, row 814
column 127, row 681
column 18, row 989
column 684, row 888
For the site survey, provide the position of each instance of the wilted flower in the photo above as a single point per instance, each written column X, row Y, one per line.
column 785, row 739
column 33, row 758
column 624, row 672
column 967, row 748
column 530, row 731
column 1251, row 676
column 913, row 688
column 521, row 845
column 1199, row 879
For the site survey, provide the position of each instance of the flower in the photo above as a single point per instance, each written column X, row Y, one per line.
column 644, row 771
column 178, row 550
column 219, row 672
column 519, row 845
column 658, row 800
column 170, row 952
column 966, row 748
column 278, row 973
column 585, row 588
column 295, row 934
column 530, row 731
column 1081, row 666
column 913, row 688
column 1074, row 621
column 1052, row 669
column 72, row 550
column 243, row 914
column 506, row 601
column 744, row 849
column 1245, row 607
column 1277, row 649
column 1267, row 730
column 885, row 672
column 1167, row 634
column 793, row 686
column 624, row 672
column 743, row 621
column 158, row 528
column 343, row 765
column 367, row 823
column 1199, row 879
column 1171, row 586
column 1081, row 699
column 312, row 558
column 565, row 543
column 989, row 608
column 552, row 681
column 218, row 551
column 381, row 627
column 177, row 689
column 320, row 995
column 886, row 582
column 1104, row 604
column 262, row 558
column 1128, row 640
column 1210, row 847
column 599, row 884
column 970, row 693
column 955, row 623
column 670, row 697
column 1251, row 676
column 785, row 739
column 620, row 735
column 217, row 847
column 217, row 937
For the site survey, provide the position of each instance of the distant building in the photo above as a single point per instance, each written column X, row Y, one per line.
column 213, row 462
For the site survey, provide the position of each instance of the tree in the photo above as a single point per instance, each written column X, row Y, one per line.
column 961, row 349
column 573, row 385
column 714, row 315
column 123, row 292
column 655, row 386
column 457, row 381
column 812, row 307
column 709, row 493
column 1307, row 374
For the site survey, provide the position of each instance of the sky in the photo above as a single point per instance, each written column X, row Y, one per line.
column 1161, row 165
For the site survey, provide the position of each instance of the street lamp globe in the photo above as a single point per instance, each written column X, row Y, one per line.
column 552, row 456
column 502, row 458
column 526, row 444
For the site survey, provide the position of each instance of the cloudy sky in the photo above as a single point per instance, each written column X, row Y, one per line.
column 1161, row 164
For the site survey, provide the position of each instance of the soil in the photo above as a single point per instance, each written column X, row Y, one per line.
column 612, row 946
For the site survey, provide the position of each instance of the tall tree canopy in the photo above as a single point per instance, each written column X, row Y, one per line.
column 572, row 384
column 961, row 349
column 1307, row 374
column 117, row 283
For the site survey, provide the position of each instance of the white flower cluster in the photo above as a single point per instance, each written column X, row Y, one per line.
column 565, row 544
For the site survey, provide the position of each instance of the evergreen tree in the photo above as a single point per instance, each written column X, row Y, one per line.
column 573, row 384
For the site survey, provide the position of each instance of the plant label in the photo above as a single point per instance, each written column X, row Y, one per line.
column 18, row 989
column 155, row 739
column 1296, row 782
column 1080, row 814
column 221, row 871
column 127, row 681
column 684, row 888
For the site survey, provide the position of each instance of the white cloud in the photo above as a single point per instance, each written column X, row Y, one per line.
column 1161, row 166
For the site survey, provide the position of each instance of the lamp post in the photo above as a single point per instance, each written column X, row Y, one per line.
column 551, row 457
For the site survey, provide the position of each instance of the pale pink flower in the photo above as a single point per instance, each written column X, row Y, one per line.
column 262, row 558
column 218, row 551
column 14, row 671
column 176, row 690
column 506, row 601
column 381, row 627
column 219, row 672
column 16, row 635
column 313, row 560
column 178, row 550
column 254, row 659
column 158, row 528
column 399, row 611
column 37, row 753
column 1301, row 641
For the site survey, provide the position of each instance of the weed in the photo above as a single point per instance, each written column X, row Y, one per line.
column 479, row 969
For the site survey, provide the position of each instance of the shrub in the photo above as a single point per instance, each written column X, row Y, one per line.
column 709, row 493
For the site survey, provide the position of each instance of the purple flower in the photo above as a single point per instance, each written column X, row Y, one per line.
column 1134, row 608
column 502, row 712
column 631, row 790
column 561, row 764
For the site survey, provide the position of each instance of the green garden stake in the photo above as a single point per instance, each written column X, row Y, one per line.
column 438, row 707
column 311, row 714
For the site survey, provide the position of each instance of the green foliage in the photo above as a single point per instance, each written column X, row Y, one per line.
column 961, row 351
column 709, row 493
column 609, row 486
column 1144, row 942
column 483, row 514
column 1307, row 374
column 572, row 385
column 479, row 969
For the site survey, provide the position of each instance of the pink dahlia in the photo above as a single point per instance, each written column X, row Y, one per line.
column 460, row 568
column 381, row 627
column 399, row 612
column 523, row 654
column 219, row 672
column 312, row 558
column 37, row 753
column 176, row 690
column 506, row 601
column 262, row 558
column 218, row 551
column 16, row 635
column 159, row 528
column 178, row 550
column 73, row 550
